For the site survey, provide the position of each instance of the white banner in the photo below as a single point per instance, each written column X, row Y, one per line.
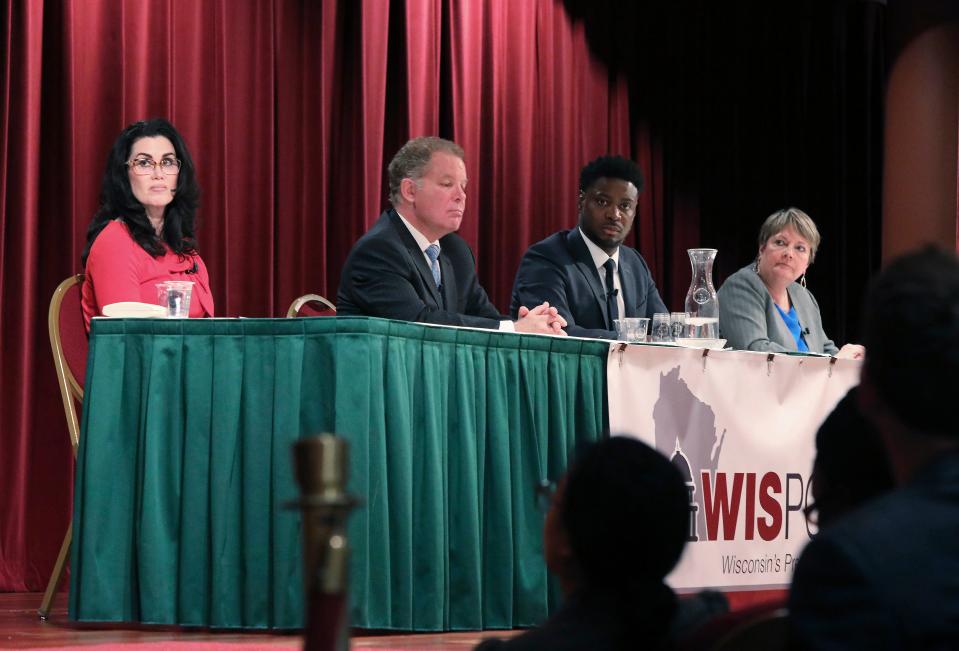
column 744, row 423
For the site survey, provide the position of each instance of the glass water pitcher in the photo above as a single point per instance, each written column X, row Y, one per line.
column 701, row 302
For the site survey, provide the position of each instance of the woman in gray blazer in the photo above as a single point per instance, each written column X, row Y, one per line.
column 763, row 307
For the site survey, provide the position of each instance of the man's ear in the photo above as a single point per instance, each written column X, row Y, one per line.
column 866, row 398
column 408, row 190
column 563, row 561
column 580, row 201
column 871, row 405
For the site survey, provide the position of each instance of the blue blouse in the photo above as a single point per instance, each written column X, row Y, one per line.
column 791, row 319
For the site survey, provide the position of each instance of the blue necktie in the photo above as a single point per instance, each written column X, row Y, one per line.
column 433, row 253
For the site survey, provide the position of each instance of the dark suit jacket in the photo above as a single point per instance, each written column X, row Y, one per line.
column 387, row 276
column 560, row 270
column 887, row 575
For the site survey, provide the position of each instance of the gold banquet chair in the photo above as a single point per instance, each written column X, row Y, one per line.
column 306, row 305
column 68, row 339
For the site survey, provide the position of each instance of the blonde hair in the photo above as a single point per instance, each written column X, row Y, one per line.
column 799, row 221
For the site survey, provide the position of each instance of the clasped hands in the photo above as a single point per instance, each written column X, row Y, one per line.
column 542, row 319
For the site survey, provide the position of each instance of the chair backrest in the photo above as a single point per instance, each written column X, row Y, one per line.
column 767, row 632
column 311, row 305
column 68, row 339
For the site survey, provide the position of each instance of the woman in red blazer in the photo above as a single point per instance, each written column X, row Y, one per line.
column 143, row 232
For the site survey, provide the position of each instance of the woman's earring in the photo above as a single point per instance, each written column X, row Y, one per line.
column 802, row 281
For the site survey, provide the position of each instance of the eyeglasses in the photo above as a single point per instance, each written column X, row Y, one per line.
column 144, row 166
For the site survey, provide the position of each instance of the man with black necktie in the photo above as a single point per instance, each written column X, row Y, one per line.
column 412, row 266
column 587, row 273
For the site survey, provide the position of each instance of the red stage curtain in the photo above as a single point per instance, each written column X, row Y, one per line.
column 291, row 110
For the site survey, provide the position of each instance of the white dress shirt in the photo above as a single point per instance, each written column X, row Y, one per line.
column 424, row 243
column 599, row 259
column 421, row 241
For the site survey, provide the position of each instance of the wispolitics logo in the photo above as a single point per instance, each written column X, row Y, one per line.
column 724, row 506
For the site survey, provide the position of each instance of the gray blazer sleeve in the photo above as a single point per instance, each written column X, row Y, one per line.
column 748, row 318
column 743, row 314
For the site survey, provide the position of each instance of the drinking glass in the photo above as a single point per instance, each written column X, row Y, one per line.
column 661, row 331
column 677, row 324
column 632, row 329
column 175, row 295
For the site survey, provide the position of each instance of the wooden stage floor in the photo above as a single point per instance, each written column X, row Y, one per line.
column 21, row 628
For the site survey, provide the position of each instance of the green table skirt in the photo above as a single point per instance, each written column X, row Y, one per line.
column 184, row 465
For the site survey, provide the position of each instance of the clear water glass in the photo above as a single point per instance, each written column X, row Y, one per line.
column 174, row 295
column 661, row 330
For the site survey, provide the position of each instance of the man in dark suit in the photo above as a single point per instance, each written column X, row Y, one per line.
column 886, row 576
column 412, row 266
column 586, row 273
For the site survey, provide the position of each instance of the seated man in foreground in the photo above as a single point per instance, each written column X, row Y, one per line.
column 616, row 526
column 412, row 266
column 587, row 273
column 886, row 576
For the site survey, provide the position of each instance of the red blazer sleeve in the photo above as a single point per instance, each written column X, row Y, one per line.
column 118, row 269
column 113, row 267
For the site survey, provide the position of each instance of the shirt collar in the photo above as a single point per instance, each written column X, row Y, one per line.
column 599, row 256
column 421, row 240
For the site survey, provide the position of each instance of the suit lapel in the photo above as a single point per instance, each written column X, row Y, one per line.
column 417, row 257
column 450, row 293
column 585, row 265
column 626, row 284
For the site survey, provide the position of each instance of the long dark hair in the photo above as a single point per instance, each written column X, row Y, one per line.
column 117, row 200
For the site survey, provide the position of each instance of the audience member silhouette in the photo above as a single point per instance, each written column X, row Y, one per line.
column 851, row 466
column 615, row 528
column 886, row 576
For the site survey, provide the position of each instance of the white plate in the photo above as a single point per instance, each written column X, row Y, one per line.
column 712, row 344
column 134, row 310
